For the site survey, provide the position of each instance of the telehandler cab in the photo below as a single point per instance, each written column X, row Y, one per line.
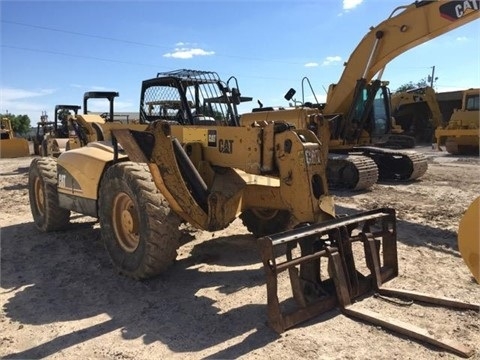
column 194, row 163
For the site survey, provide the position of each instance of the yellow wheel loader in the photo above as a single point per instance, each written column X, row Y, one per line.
column 358, row 106
column 11, row 146
column 194, row 163
column 461, row 135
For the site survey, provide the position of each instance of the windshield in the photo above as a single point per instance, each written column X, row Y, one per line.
column 194, row 103
column 473, row 103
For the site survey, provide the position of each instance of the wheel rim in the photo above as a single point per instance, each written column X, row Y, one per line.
column 265, row 214
column 125, row 222
column 39, row 196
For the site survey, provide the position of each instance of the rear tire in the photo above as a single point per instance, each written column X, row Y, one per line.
column 43, row 195
column 262, row 222
column 139, row 230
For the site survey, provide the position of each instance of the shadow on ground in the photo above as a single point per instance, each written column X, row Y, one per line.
column 65, row 276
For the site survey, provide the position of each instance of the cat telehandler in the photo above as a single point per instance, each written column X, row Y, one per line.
column 193, row 162
column 87, row 127
column 358, row 106
column 71, row 130
column 52, row 136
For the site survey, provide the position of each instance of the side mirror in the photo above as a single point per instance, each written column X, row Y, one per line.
column 236, row 96
column 289, row 95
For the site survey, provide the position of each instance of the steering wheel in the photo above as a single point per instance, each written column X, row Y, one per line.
column 105, row 116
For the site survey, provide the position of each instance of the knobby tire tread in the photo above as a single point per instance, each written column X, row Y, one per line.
column 54, row 217
column 159, row 234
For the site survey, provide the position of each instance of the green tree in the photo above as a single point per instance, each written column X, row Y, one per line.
column 411, row 85
column 20, row 123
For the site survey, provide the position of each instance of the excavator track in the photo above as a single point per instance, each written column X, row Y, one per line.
column 396, row 165
column 350, row 171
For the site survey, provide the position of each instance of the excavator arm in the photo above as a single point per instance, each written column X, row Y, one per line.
column 408, row 26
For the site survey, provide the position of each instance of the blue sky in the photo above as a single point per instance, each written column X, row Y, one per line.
column 52, row 52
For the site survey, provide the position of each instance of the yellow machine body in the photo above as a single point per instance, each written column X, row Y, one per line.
column 461, row 136
column 417, row 113
column 11, row 146
column 93, row 128
column 469, row 238
column 358, row 106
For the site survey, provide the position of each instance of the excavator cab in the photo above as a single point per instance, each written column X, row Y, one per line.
column 369, row 120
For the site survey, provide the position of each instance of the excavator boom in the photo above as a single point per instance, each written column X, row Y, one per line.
column 408, row 26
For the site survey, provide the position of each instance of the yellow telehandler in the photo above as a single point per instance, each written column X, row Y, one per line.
column 52, row 137
column 193, row 162
column 11, row 146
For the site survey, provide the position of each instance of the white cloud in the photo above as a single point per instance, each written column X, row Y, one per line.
column 187, row 52
column 331, row 60
column 91, row 87
column 11, row 94
column 462, row 39
column 22, row 101
column 311, row 64
column 351, row 4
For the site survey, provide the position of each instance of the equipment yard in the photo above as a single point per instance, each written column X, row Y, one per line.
column 61, row 297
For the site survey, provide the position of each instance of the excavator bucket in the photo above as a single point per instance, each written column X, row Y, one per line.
column 469, row 238
column 13, row 148
column 360, row 254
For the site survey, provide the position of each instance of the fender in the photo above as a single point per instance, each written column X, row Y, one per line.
column 79, row 172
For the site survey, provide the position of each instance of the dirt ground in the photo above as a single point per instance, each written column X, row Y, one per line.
column 61, row 298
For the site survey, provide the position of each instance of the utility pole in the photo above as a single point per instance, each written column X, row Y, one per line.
column 432, row 78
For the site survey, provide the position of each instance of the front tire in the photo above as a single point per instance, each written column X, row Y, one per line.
column 139, row 230
column 262, row 222
column 43, row 195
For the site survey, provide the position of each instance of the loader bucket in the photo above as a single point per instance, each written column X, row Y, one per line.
column 13, row 148
column 469, row 238
column 368, row 236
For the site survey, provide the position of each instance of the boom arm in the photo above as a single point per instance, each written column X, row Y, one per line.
column 407, row 27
